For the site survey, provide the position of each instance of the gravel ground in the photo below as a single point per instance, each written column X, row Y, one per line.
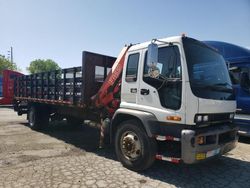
column 62, row 157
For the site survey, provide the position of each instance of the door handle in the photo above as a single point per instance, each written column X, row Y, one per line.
column 144, row 91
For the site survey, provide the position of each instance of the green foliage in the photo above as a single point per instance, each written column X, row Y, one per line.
column 40, row 65
column 6, row 64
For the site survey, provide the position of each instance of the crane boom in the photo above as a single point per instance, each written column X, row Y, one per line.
column 108, row 96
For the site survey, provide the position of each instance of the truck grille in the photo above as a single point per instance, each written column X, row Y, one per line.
column 219, row 117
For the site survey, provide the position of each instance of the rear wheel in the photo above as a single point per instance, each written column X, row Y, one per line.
column 38, row 118
column 133, row 147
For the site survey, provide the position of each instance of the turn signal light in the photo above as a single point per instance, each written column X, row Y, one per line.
column 201, row 140
column 174, row 118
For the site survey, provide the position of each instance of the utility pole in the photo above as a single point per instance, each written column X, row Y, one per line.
column 11, row 55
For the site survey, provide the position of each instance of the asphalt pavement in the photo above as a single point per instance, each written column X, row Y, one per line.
column 64, row 157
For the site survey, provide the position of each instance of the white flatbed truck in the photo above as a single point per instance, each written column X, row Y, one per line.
column 168, row 99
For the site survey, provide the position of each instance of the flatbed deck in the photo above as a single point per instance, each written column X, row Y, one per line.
column 71, row 87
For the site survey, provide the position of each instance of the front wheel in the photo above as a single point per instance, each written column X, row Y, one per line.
column 133, row 147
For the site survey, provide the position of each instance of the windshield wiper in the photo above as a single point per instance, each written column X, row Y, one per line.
column 223, row 84
column 216, row 87
column 223, row 89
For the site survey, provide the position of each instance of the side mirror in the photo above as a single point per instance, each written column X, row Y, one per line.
column 152, row 58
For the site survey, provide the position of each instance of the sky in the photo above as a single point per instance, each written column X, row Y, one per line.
column 61, row 29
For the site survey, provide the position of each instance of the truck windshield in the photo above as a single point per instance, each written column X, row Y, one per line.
column 208, row 74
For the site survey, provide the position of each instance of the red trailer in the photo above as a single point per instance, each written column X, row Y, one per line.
column 8, row 85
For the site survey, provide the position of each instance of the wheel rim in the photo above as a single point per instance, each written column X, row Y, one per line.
column 130, row 145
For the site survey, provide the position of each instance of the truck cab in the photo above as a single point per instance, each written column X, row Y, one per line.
column 240, row 75
column 185, row 97
column 187, row 85
column 7, row 86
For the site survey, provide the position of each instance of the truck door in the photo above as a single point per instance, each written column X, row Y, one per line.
column 164, row 91
column 130, row 84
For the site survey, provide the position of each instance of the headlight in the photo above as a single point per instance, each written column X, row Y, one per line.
column 205, row 118
column 199, row 118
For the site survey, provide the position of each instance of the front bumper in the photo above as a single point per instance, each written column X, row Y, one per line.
column 221, row 141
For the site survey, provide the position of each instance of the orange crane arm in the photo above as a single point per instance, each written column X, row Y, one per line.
column 108, row 96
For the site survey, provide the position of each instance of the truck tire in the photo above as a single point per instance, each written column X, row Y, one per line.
column 37, row 119
column 134, row 149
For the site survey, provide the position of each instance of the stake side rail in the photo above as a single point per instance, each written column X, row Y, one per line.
column 55, row 87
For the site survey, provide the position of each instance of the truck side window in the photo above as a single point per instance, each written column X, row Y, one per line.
column 132, row 67
column 170, row 68
column 168, row 62
column 235, row 73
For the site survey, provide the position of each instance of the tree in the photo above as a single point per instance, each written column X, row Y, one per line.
column 40, row 65
column 6, row 64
